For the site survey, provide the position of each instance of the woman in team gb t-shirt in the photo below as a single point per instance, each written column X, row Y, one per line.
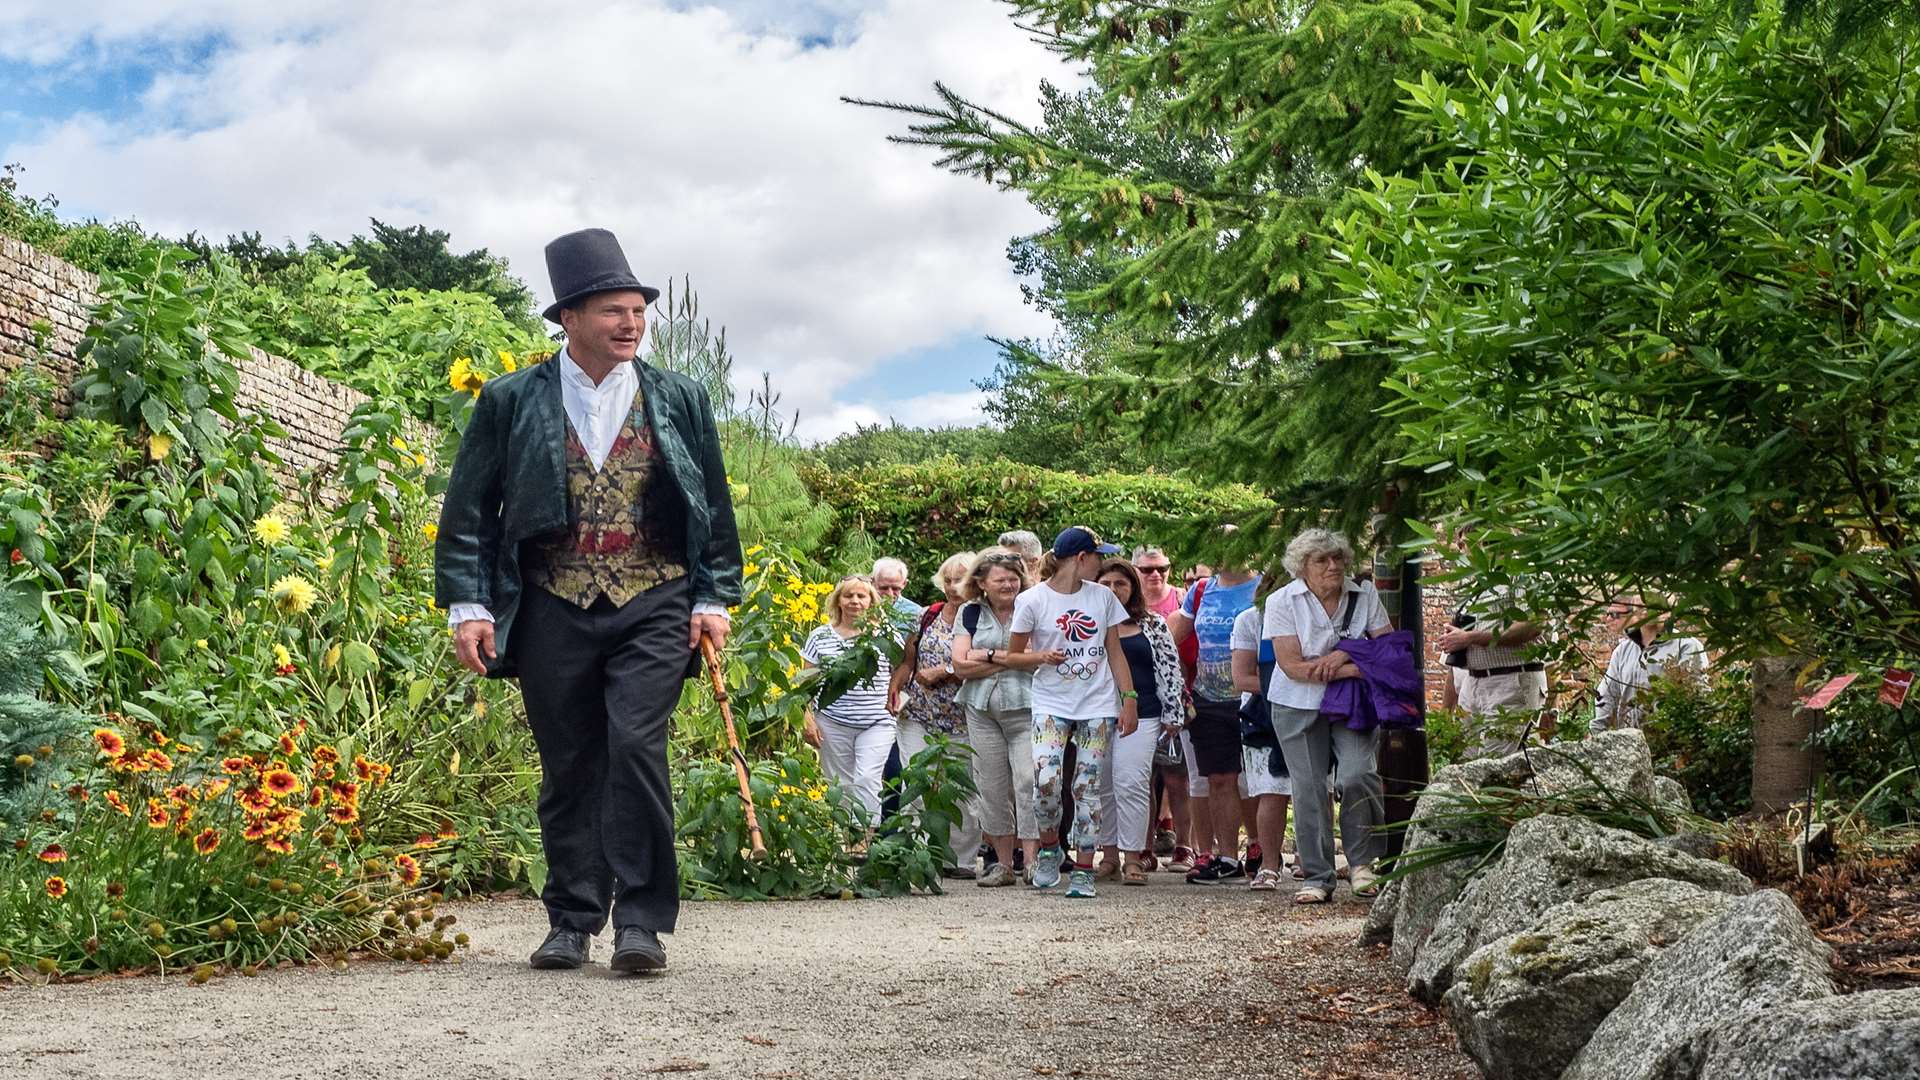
column 1083, row 692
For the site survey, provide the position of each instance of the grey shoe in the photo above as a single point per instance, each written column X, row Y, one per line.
column 1080, row 885
column 563, row 950
column 997, row 876
column 1046, row 868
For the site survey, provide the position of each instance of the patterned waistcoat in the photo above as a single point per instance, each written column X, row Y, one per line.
column 619, row 541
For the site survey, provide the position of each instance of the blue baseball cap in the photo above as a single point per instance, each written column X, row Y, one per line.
column 1079, row 540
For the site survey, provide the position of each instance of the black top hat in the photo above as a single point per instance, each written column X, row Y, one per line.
column 590, row 261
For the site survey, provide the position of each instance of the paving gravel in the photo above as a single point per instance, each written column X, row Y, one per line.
column 1167, row 981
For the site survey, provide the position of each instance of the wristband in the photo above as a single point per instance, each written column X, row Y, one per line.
column 1132, row 694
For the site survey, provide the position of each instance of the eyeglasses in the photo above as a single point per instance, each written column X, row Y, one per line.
column 889, row 589
column 1154, row 569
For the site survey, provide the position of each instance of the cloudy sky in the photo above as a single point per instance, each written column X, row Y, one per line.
column 710, row 137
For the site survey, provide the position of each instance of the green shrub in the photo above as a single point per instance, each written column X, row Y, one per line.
column 1701, row 733
column 926, row 512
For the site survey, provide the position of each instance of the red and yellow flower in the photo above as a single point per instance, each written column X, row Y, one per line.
column 280, row 782
column 157, row 760
column 207, row 842
column 408, row 869
column 53, row 853
column 114, row 800
column 256, row 831
column 110, row 742
column 254, row 801
column 157, row 816
column 56, row 887
column 236, row 766
column 287, row 745
column 279, row 845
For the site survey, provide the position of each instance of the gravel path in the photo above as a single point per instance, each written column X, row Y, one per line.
column 1167, row 981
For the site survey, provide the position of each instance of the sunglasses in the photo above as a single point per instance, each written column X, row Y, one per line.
column 1154, row 569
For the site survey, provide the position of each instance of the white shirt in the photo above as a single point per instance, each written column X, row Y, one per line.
column 597, row 412
column 1076, row 623
column 1293, row 611
column 1633, row 668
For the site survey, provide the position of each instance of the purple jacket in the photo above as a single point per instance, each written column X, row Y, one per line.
column 1389, row 691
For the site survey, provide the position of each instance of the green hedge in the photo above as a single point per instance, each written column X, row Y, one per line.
column 923, row 513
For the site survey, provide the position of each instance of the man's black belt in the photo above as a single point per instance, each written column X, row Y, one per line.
column 1487, row 673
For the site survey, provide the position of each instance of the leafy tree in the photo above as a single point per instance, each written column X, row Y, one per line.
column 1204, row 269
column 869, row 445
column 99, row 246
column 1653, row 326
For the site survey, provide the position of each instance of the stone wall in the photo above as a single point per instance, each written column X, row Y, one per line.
column 45, row 304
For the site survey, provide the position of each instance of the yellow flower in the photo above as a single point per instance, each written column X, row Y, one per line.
column 199, row 643
column 159, row 446
column 420, row 460
column 750, row 569
column 432, row 530
column 294, row 594
column 281, row 657
column 325, row 562
column 333, row 655
column 462, row 376
column 508, row 363
column 399, row 444
column 270, row 529
column 774, row 802
column 753, row 549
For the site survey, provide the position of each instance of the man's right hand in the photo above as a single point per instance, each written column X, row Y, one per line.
column 473, row 640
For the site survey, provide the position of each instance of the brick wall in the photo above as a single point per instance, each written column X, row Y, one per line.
column 37, row 288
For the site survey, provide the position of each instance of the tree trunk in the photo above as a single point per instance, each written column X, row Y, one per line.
column 1783, row 763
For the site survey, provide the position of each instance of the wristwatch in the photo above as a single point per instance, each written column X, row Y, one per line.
column 990, row 656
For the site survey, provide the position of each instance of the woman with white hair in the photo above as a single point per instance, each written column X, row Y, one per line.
column 855, row 733
column 925, row 691
column 1306, row 619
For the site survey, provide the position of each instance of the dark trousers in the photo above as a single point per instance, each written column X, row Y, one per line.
column 600, row 686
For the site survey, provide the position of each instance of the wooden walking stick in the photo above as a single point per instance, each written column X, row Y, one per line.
column 733, row 747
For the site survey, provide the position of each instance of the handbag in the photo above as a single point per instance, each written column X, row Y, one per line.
column 1169, row 752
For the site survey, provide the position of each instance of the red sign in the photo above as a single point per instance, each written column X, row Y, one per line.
column 1824, row 696
column 1894, row 687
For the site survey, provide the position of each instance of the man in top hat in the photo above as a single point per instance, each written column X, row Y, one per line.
column 586, row 544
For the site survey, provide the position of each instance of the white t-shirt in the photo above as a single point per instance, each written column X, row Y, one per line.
column 1246, row 637
column 1293, row 611
column 1076, row 623
column 1633, row 668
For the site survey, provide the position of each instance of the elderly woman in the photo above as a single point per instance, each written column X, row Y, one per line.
column 997, row 697
column 1306, row 619
column 856, row 732
column 926, row 689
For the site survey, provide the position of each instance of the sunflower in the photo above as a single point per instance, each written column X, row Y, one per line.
column 408, row 869
column 53, row 853
column 157, row 760
column 207, row 842
column 114, row 800
column 462, row 376
column 110, row 742
column 271, row 529
column 280, row 782
column 432, row 531
column 56, row 887
column 157, row 816
column 293, row 594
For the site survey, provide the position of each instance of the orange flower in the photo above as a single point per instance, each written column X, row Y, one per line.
column 281, row 782
column 362, row 766
column 425, row 840
column 207, row 842
column 285, row 819
column 446, row 830
column 110, row 742
column 131, row 761
column 182, row 813
column 346, row 791
column 157, row 816
column 56, row 887
column 157, row 760
column 318, row 796
column 256, row 831
column 114, row 800
column 236, row 766
column 279, row 845
column 180, row 793
column 408, row 868
column 254, row 801
column 344, row 813
column 380, row 773
column 325, row 755
column 214, row 788
column 53, row 853
column 288, row 746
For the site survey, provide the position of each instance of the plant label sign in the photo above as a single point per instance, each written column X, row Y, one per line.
column 1894, row 687
column 1824, row 696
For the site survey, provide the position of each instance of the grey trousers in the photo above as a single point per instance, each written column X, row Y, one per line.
column 1309, row 743
column 600, row 685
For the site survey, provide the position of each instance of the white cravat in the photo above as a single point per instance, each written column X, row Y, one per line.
column 597, row 413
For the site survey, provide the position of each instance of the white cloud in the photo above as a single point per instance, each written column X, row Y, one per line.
column 939, row 409
column 712, row 141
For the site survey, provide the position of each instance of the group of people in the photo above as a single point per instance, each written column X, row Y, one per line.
column 1115, row 719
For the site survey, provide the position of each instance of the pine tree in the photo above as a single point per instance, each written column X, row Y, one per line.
column 27, row 723
column 1215, row 301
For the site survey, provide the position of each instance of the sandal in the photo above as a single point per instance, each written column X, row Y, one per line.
column 1312, row 894
column 1108, row 871
column 1133, row 874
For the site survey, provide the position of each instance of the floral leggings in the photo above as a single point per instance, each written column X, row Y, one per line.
column 1094, row 738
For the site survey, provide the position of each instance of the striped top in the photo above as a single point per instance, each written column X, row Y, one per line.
column 866, row 703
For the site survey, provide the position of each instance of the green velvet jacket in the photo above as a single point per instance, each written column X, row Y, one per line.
column 509, row 486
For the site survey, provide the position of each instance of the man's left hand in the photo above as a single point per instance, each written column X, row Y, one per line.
column 713, row 626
